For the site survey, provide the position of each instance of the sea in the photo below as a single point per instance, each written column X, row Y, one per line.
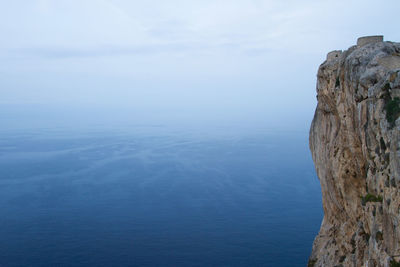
column 157, row 195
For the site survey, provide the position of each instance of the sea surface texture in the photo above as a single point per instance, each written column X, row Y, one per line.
column 156, row 196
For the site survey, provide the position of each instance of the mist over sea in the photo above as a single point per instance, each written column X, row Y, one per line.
column 99, row 191
column 165, row 133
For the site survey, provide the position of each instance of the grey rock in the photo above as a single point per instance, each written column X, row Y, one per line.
column 355, row 148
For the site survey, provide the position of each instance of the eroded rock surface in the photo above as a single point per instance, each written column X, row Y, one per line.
column 354, row 140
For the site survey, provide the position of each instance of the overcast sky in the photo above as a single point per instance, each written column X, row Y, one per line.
column 238, row 56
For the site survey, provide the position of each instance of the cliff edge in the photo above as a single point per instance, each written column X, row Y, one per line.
column 354, row 140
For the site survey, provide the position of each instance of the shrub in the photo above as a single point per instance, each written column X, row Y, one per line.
column 392, row 110
column 311, row 263
column 394, row 263
column 370, row 198
column 386, row 87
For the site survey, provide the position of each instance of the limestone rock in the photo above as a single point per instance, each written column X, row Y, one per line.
column 354, row 140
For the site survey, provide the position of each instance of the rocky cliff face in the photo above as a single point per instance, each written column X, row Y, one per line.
column 354, row 140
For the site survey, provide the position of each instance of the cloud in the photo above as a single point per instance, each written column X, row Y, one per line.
column 58, row 52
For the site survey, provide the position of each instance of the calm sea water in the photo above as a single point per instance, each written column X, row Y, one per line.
column 151, row 196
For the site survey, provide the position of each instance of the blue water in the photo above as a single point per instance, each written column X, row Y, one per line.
column 151, row 196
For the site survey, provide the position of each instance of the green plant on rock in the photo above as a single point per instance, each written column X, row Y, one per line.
column 386, row 87
column 392, row 110
column 311, row 262
column 370, row 198
column 394, row 263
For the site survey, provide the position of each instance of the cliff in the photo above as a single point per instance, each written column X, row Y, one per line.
column 354, row 140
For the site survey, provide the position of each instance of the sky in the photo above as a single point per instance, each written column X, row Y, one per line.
column 240, row 59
